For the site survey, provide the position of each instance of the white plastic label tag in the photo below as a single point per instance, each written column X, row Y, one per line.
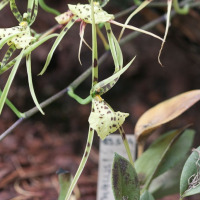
column 113, row 143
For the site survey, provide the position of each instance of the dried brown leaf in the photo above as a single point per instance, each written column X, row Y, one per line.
column 164, row 112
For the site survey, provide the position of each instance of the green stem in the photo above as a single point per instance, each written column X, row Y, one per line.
column 13, row 108
column 83, row 162
column 44, row 6
column 137, row 2
column 181, row 11
column 126, row 145
column 77, row 98
column 94, row 48
column 100, row 34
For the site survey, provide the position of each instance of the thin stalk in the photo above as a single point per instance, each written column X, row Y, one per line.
column 140, row 149
column 44, row 6
column 83, row 162
column 103, row 39
column 77, row 98
column 178, row 9
column 126, row 145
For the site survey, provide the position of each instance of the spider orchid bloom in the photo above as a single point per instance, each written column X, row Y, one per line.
column 19, row 37
column 82, row 12
column 103, row 119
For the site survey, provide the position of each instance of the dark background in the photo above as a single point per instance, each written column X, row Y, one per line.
column 32, row 153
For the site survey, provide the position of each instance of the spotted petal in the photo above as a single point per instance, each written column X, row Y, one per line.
column 83, row 11
column 104, row 120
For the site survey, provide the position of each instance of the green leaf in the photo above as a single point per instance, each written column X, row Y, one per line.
column 177, row 152
column 167, row 183
column 146, row 196
column 102, row 3
column 9, row 81
column 151, row 160
column 190, row 169
column 65, row 179
column 56, row 43
column 124, row 179
column 3, row 3
column 30, row 82
column 15, row 11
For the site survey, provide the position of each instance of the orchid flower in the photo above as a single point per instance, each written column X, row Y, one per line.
column 20, row 37
column 82, row 13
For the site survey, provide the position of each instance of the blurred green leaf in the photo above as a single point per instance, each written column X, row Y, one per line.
column 151, row 160
column 65, row 179
column 168, row 183
column 191, row 172
column 125, row 183
column 146, row 196
column 102, row 3
column 177, row 152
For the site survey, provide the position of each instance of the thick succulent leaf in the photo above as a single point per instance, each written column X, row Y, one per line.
column 3, row 3
column 102, row 3
column 56, row 43
column 27, row 51
column 30, row 82
column 105, row 85
column 164, row 112
column 125, row 182
column 151, row 160
column 35, row 12
column 65, row 179
column 9, row 81
column 7, row 56
column 140, row 7
column 190, row 173
column 168, row 183
column 15, row 11
column 146, row 196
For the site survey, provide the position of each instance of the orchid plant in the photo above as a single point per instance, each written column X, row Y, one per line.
column 103, row 119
